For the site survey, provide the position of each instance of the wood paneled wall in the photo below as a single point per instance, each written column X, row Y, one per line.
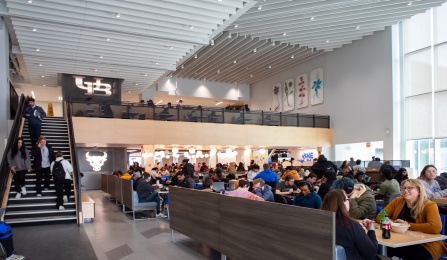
column 246, row 229
column 111, row 131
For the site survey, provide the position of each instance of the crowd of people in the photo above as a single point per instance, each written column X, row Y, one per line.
column 343, row 190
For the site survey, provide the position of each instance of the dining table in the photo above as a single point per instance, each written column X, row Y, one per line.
column 408, row 238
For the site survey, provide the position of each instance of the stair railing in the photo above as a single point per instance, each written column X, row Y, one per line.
column 74, row 162
column 5, row 173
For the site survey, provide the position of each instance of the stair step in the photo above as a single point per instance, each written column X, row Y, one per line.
column 43, row 220
column 37, row 212
column 19, row 207
column 32, row 192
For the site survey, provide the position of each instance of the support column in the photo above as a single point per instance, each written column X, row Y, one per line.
column 4, row 85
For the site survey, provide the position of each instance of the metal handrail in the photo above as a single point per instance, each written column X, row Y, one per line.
column 74, row 161
column 13, row 134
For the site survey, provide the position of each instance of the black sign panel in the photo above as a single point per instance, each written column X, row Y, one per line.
column 81, row 87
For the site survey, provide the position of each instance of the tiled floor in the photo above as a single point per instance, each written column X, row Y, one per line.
column 112, row 235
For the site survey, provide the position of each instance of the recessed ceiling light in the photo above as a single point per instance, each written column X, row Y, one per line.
column 270, row 66
column 212, row 42
column 251, row 75
column 234, row 61
column 37, row 49
column 43, row 76
column 171, row 47
column 195, row 56
column 284, row 34
column 96, row 69
column 44, row 85
column 34, row 29
column 100, row 57
column 183, row 66
column 260, row 7
column 327, row 41
column 219, row 0
column 293, row 56
column 358, row 27
column 30, row 1
column 229, row 36
column 40, row 65
column 145, row 75
column 410, row 3
column 117, row 15
column 218, row 71
column 191, row 27
column 254, row 50
column 108, row 39
column 312, row 18
column 136, row 84
column 236, row 25
column 128, row 91
column 156, row 63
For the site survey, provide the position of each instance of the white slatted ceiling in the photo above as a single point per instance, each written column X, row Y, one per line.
column 86, row 37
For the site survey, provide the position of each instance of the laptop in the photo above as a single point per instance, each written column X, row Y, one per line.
column 217, row 186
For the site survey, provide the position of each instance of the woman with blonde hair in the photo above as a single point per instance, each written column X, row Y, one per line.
column 422, row 215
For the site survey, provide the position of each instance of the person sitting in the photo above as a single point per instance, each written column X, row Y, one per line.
column 286, row 187
column 359, row 177
column 349, row 233
column 212, row 117
column 208, row 175
column 242, row 191
column 207, row 185
column 231, row 176
column 432, row 188
column 253, row 172
column 328, row 179
column 150, row 103
column 401, row 175
column 192, row 116
column 263, row 190
column 147, row 193
column 217, row 175
column 163, row 114
column 204, row 167
column 363, row 203
column 358, row 167
column 387, row 165
column 422, row 215
column 185, row 181
column 307, row 197
column 388, row 187
column 312, row 178
column 289, row 172
column 267, row 175
column 127, row 175
column 241, row 167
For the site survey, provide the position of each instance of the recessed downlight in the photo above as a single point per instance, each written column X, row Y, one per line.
column 37, row 49
column 34, row 29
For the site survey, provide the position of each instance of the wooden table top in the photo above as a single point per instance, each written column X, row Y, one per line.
column 407, row 239
column 440, row 200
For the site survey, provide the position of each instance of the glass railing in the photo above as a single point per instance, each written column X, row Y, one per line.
column 197, row 114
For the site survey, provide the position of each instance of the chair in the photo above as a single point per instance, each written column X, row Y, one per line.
column 378, row 209
column 340, row 253
column 280, row 199
column 142, row 117
column 443, row 217
column 272, row 184
column 393, row 196
column 167, row 201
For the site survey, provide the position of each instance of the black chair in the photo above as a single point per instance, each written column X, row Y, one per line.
column 273, row 185
column 280, row 199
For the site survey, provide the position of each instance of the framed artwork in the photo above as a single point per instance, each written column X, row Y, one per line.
column 302, row 93
column 317, row 89
column 276, row 98
column 288, row 95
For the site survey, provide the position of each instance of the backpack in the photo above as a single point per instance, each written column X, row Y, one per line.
column 5, row 230
column 58, row 171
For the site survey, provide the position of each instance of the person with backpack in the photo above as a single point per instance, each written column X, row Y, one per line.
column 8, row 243
column 61, row 170
column 323, row 165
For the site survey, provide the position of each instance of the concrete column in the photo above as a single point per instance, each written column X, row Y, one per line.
column 4, row 85
column 146, row 160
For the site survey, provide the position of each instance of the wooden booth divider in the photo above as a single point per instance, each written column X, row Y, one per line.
column 244, row 229
column 104, row 178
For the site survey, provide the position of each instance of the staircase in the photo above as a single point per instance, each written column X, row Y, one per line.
column 32, row 210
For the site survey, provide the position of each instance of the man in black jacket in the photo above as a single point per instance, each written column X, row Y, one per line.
column 43, row 156
column 323, row 165
column 188, row 168
column 146, row 192
column 34, row 114
column 185, row 181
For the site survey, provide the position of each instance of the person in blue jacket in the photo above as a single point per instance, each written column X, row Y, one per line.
column 34, row 114
column 307, row 197
column 267, row 175
column 263, row 190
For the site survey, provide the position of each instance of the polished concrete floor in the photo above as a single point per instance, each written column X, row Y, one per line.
column 112, row 235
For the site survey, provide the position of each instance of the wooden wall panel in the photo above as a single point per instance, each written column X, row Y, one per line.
column 195, row 214
column 263, row 230
column 111, row 131
column 104, row 183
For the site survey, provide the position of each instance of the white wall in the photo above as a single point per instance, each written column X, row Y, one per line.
column 199, row 88
column 357, row 94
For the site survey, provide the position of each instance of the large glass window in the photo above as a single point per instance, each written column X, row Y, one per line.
column 425, row 88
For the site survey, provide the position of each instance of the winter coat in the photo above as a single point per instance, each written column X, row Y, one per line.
column 323, row 165
column 364, row 206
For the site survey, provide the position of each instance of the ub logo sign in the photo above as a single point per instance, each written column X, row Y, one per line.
column 93, row 88
column 96, row 161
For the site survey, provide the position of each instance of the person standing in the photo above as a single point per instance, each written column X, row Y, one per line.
column 43, row 156
column 19, row 163
column 34, row 114
column 62, row 171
